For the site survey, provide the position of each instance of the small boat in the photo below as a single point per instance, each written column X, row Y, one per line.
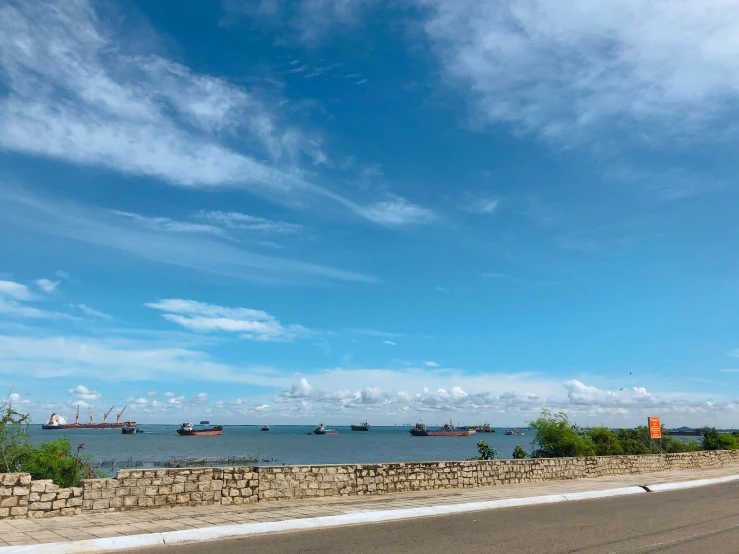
column 516, row 432
column 485, row 429
column 323, row 430
column 265, row 427
column 361, row 427
column 188, row 430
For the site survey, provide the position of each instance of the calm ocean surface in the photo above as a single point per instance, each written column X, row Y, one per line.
column 285, row 444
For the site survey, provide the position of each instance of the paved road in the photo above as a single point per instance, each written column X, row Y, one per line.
column 704, row 520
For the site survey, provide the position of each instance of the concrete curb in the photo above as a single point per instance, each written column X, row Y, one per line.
column 246, row 529
column 690, row 484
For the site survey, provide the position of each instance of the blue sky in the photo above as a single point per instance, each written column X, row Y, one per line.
column 300, row 210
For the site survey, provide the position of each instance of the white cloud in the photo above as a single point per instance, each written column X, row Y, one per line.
column 431, row 364
column 15, row 291
column 396, row 213
column 563, row 69
column 14, row 398
column 254, row 325
column 475, row 401
column 89, row 311
column 301, row 389
column 169, row 394
column 150, row 392
column 235, row 220
column 137, row 402
column 79, row 404
column 262, row 407
column 200, row 399
column 389, row 342
column 62, row 274
column 83, row 393
column 46, row 285
column 483, row 205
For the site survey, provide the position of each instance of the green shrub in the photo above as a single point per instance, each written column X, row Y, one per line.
column 485, row 452
column 713, row 440
column 54, row 460
column 556, row 437
column 519, row 453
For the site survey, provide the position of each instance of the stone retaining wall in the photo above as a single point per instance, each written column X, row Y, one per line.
column 21, row 497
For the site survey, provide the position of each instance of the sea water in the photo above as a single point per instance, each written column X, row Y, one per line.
column 282, row 444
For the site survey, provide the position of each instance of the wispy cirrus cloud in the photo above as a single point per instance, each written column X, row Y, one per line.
column 122, row 360
column 256, row 325
column 82, row 96
column 482, row 205
column 170, row 225
column 14, row 302
column 397, row 212
column 90, row 311
column 16, row 291
column 200, row 251
column 235, row 220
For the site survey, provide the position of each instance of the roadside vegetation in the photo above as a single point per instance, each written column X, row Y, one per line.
column 557, row 437
column 55, row 460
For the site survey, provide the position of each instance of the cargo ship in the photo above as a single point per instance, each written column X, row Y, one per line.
column 59, row 423
column 447, row 430
column 361, row 427
column 322, row 430
column 187, row 429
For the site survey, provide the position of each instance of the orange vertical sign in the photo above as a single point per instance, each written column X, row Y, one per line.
column 655, row 428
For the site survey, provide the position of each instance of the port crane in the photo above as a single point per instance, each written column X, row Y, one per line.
column 105, row 417
column 118, row 416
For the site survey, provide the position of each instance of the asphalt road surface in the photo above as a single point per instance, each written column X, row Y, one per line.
column 700, row 520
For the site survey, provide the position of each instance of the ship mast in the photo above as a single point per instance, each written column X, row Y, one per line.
column 89, row 411
column 118, row 417
column 105, row 417
column 77, row 417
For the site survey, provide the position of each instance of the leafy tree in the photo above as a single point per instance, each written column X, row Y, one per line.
column 485, row 451
column 556, row 437
column 605, row 442
column 519, row 453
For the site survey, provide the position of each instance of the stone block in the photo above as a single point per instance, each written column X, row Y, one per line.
column 37, row 486
column 69, row 512
column 75, row 502
column 9, row 502
column 130, row 501
column 151, row 491
column 4, row 512
column 58, row 504
column 101, row 504
column 10, row 479
column 64, row 494
column 18, row 511
column 24, row 479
